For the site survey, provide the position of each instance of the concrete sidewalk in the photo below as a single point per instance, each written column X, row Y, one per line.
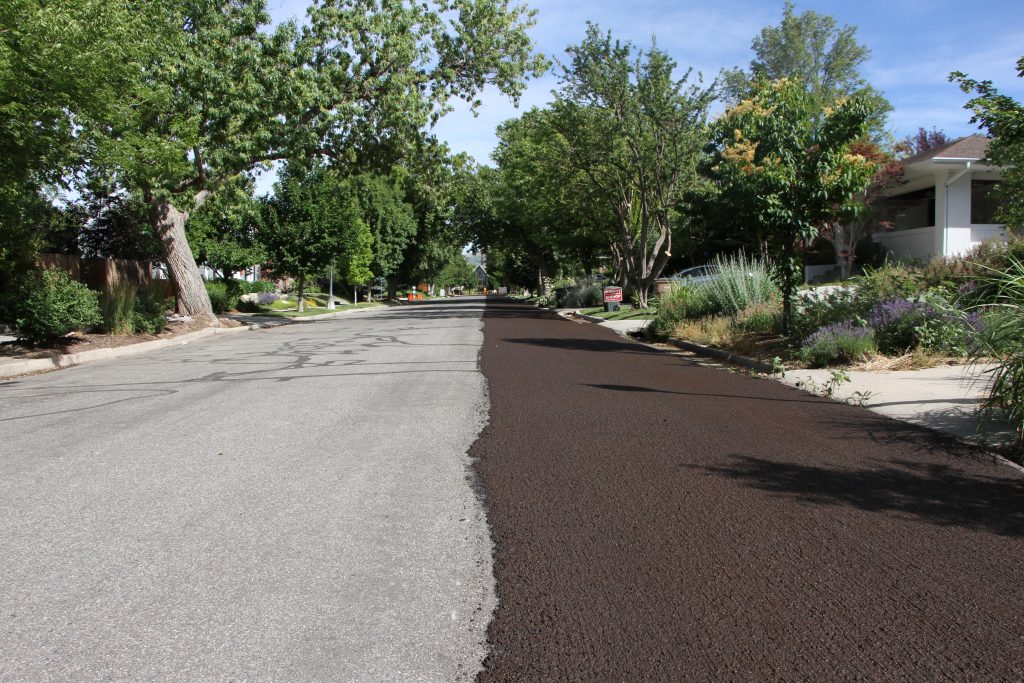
column 944, row 398
column 623, row 327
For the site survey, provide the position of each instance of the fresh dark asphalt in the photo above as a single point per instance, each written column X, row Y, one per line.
column 659, row 520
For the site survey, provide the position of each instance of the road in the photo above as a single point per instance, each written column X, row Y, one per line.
column 288, row 504
column 657, row 520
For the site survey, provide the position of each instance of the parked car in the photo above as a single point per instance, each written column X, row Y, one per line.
column 696, row 275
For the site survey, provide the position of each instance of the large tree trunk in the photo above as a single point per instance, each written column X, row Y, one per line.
column 302, row 293
column 193, row 299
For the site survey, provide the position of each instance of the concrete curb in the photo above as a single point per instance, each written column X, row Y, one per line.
column 725, row 356
column 321, row 316
column 17, row 368
column 25, row 367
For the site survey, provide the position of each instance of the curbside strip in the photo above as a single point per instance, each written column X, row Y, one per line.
column 17, row 368
column 725, row 356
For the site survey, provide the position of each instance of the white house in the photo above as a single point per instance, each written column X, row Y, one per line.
column 945, row 207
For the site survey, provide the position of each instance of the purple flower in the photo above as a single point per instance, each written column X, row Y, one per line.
column 966, row 288
column 890, row 312
column 267, row 298
column 845, row 329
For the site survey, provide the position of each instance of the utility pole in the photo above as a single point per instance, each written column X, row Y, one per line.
column 330, row 291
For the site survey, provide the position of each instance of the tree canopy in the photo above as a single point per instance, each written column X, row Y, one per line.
column 785, row 173
column 1003, row 118
column 813, row 49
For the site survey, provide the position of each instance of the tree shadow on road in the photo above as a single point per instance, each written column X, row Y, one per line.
column 628, row 388
column 931, row 492
column 583, row 344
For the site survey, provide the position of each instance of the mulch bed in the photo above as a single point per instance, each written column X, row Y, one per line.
column 77, row 342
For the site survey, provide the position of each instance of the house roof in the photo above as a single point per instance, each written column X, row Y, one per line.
column 969, row 147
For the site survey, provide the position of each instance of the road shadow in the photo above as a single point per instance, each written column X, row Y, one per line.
column 627, row 388
column 936, row 493
column 583, row 344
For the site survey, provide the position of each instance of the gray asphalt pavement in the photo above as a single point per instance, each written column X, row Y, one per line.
column 288, row 504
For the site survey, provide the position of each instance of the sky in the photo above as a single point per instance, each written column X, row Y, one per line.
column 914, row 45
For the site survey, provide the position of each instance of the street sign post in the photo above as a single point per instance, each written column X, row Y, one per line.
column 612, row 298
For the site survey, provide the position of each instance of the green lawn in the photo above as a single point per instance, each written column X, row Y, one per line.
column 621, row 314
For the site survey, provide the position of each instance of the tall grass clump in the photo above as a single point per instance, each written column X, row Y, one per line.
column 740, row 283
column 117, row 307
column 681, row 302
column 127, row 309
column 1003, row 341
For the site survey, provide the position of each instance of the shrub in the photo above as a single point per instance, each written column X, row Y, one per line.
column 681, row 302
column 221, row 297
column 580, row 295
column 151, row 308
column 837, row 343
column 895, row 322
column 894, row 281
column 740, row 283
column 258, row 287
column 49, row 304
column 815, row 310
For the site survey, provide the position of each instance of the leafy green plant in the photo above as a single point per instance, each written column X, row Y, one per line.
column 151, row 308
column 221, row 297
column 1003, row 341
column 49, row 304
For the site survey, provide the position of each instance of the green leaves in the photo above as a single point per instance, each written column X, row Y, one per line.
column 1003, row 118
column 785, row 169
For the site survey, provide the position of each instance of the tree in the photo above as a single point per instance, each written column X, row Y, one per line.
column 220, row 95
column 225, row 231
column 353, row 265
column 390, row 220
column 637, row 133
column 1003, row 118
column 812, row 49
column 305, row 224
column 924, row 141
column 847, row 235
column 539, row 207
column 457, row 273
column 62, row 63
column 786, row 173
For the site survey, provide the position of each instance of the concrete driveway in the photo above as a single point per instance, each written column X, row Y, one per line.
column 287, row 504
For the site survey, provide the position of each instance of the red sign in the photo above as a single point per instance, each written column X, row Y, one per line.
column 612, row 294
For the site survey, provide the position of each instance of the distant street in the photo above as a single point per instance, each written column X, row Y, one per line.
column 286, row 504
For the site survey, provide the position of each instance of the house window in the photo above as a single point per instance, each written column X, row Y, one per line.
column 911, row 210
column 985, row 202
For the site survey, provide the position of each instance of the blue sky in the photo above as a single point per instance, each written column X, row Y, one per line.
column 914, row 45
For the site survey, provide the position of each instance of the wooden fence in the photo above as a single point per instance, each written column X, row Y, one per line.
column 103, row 274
